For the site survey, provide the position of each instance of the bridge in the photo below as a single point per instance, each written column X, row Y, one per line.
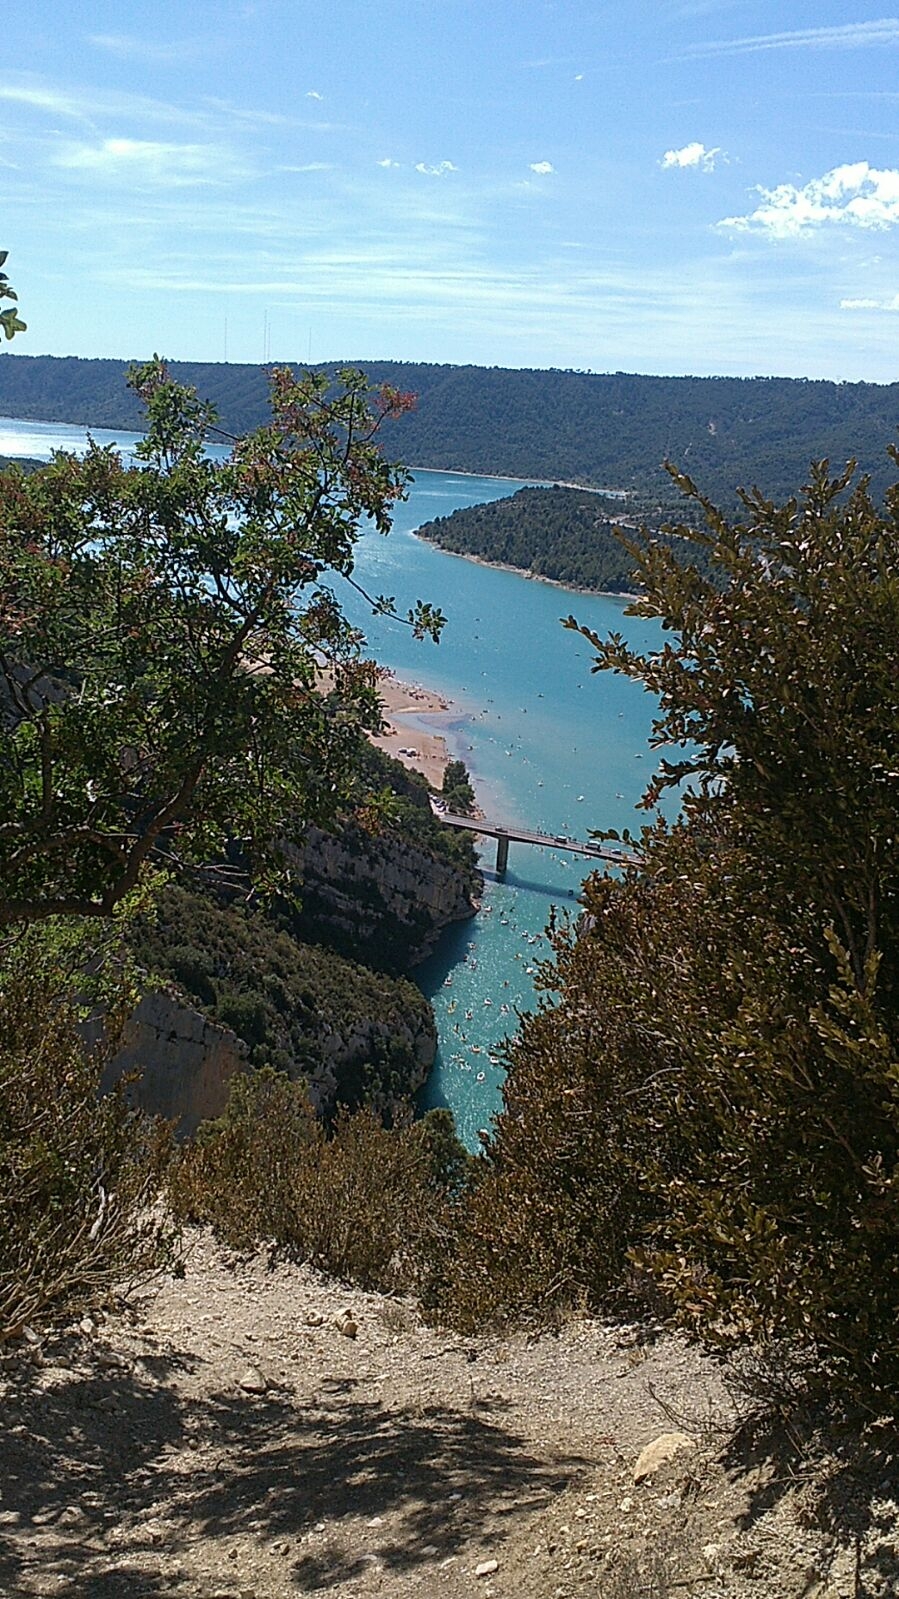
column 510, row 835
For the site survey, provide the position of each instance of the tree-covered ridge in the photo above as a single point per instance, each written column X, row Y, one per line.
column 563, row 534
column 290, row 1002
column 606, row 430
column 569, row 535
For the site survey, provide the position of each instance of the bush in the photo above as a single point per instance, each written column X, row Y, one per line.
column 710, row 1105
column 457, row 789
column 360, row 1202
column 78, row 1174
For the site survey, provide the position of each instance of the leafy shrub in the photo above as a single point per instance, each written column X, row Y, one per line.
column 457, row 789
column 78, row 1174
column 710, row 1104
column 361, row 1202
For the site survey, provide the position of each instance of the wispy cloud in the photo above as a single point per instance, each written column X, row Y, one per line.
column 309, row 166
column 154, row 52
column 152, row 162
column 388, row 162
column 692, row 155
column 439, row 171
column 854, row 195
column 848, row 36
column 313, row 94
column 865, row 304
column 89, row 105
column 542, row 168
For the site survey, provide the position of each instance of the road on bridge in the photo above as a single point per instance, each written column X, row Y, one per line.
column 510, row 835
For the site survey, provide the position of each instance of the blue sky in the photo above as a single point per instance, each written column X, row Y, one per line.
column 703, row 186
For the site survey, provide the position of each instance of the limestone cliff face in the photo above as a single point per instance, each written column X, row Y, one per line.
column 248, row 993
column 184, row 1062
column 381, row 899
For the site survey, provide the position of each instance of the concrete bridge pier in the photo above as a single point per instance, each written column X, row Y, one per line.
column 502, row 854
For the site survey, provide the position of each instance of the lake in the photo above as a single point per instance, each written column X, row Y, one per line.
column 550, row 746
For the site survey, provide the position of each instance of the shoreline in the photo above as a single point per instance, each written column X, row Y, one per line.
column 526, row 482
column 451, row 471
column 533, row 577
column 415, row 746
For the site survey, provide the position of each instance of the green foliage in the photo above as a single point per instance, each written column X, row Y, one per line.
column 361, row 1202
column 711, row 1103
column 290, row 1002
column 162, row 631
column 10, row 321
column 78, row 1174
column 457, row 790
column 606, row 430
column 563, row 534
column 567, row 535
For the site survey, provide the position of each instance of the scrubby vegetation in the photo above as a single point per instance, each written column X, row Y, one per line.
column 298, row 1007
column 363, row 1203
column 78, row 1175
column 705, row 1106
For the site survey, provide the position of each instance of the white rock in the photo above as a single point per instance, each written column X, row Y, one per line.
column 252, row 1381
column 486, row 1568
column 659, row 1452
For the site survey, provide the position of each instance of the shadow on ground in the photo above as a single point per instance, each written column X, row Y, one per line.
column 844, row 1476
column 109, row 1477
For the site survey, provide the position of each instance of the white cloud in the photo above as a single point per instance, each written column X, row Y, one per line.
column 313, row 94
column 542, row 168
column 152, row 162
column 435, row 172
column 309, row 166
column 692, row 155
column 387, row 162
column 155, row 51
column 856, row 195
column 849, row 36
column 89, row 105
column 864, row 304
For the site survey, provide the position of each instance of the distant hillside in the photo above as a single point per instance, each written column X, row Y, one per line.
column 558, row 533
column 609, row 431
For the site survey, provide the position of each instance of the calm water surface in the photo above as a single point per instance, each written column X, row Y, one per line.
column 549, row 745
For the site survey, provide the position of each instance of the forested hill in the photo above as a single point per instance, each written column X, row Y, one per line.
column 558, row 533
column 609, row 431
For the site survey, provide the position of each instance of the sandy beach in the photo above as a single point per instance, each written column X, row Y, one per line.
column 404, row 737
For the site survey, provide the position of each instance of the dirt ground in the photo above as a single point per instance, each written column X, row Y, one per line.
column 247, row 1433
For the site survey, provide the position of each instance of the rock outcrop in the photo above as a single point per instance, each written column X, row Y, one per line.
column 183, row 1062
column 381, row 899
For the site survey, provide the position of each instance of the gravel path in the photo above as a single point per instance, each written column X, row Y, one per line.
column 247, row 1433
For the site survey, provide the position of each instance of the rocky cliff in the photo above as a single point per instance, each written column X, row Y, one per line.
column 383, row 899
column 183, row 1061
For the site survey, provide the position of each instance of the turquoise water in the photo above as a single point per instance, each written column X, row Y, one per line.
column 549, row 745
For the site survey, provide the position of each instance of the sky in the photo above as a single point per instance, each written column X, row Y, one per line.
column 661, row 186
